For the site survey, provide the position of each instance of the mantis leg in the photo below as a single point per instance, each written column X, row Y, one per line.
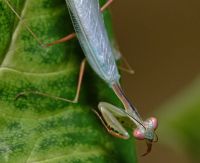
column 127, row 67
column 64, row 39
column 73, row 35
column 21, row 19
column 75, row 100
column 109, row 120
column 106, row 5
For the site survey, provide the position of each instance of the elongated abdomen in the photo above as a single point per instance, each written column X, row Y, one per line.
column 92, row 35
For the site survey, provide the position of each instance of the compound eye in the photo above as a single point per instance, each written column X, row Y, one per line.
column 138, row 134
column 154, row 122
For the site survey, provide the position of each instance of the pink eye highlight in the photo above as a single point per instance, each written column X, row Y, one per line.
column 154, row 122
column 138, row 134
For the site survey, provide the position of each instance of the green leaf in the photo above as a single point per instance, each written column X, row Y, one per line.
column 179, row 121
column 40, row 129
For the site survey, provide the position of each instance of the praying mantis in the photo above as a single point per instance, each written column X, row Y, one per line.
column 101, row 56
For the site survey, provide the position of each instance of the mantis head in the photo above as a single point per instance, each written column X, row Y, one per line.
column 147, row 132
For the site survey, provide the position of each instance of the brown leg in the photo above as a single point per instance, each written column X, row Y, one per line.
column 64, row 39
column 26, row 26
column 110, row 131
column 75, row 100
column 106, row 5
column 73, row 35
column 68, row 37
column 127, row 67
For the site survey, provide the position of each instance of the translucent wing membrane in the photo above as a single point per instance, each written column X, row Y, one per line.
column 90, row 29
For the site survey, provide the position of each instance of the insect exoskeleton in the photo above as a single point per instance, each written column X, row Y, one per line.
column 148, row 132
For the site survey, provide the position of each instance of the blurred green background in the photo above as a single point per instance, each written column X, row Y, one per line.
column 161, row 40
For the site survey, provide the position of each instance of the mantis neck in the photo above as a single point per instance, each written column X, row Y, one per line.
column 130, row 109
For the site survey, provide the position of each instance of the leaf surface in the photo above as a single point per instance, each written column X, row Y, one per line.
column 41, row 129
